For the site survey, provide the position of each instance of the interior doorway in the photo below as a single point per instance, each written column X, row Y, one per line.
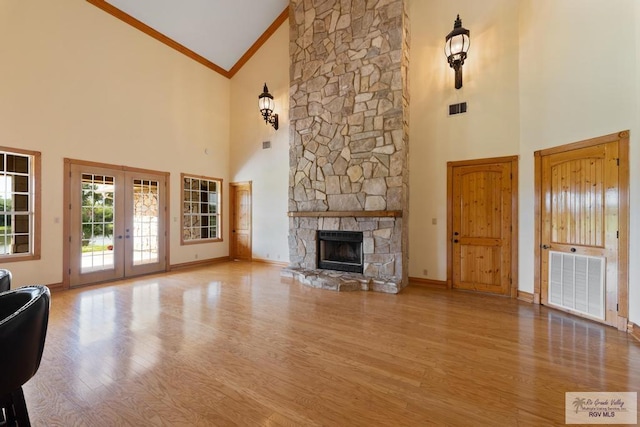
column 482, row 250
column 240, row 243
column 582, row 228
column 116, row 222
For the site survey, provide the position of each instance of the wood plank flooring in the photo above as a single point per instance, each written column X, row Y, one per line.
column 235, row 344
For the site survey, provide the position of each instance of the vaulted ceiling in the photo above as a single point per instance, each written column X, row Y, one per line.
column 220, row 34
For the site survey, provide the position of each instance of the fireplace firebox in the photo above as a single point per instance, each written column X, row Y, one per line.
column 340, row 250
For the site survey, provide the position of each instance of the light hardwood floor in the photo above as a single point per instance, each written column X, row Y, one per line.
column 234, row 344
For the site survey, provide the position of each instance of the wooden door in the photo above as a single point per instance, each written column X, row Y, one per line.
column 580, row 216
column 481, row 221
column 240, row 197
column 117, row 223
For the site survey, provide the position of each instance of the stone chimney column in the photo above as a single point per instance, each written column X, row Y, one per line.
column 349, row 129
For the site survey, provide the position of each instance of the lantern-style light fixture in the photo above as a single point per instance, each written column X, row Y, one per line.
column 456, row 47
column 265, row 101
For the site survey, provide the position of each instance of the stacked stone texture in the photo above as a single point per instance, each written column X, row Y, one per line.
column 349, row 126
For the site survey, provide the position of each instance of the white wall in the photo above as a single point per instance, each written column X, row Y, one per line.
column 490, row 128
column 540, row 73
column 634, row 285
column 578, row 80
column 267, row 169
column 76, row 82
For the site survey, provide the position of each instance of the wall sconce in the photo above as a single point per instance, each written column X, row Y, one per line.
column 265, row 101
column 456, row 47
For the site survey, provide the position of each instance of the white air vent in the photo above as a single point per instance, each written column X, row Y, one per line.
column 576, row 282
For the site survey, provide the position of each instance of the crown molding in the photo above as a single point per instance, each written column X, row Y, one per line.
column 261, row 40
column 139, row 25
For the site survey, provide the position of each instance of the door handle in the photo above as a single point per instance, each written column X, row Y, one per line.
column 573, row 249
column 456, row 233
column 545, row 246
column 455, row 240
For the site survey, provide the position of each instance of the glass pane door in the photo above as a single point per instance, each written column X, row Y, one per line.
column 98, row 197
column 146, row 214
column 145, row 230
column 96, row 218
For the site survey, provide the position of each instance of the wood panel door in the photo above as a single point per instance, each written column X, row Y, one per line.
column 481, row 216
column 240, row 195
column 580, row 216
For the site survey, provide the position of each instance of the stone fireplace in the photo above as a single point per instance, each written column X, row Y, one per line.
column 348, row 151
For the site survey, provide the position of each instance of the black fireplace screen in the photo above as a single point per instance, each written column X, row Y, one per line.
column 340, row 250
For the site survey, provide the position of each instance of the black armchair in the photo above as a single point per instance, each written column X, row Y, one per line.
column 5, row 280
column 24, row 316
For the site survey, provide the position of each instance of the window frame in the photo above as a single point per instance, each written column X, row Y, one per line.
column 183, row 200
column 35, row 182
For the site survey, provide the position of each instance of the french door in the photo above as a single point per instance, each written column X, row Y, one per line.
column 117, row 221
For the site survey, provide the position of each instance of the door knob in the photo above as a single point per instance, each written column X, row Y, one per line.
column 456, row 233
column 455, row 240
column 573, row 249
column 545, row 247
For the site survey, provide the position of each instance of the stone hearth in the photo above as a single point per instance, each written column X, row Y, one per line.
column 349, row 137
column 339, row 280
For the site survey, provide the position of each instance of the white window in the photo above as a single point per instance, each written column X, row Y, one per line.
column 201, row 209
column 19, row 204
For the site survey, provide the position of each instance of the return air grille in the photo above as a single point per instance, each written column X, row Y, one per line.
column 576, row 282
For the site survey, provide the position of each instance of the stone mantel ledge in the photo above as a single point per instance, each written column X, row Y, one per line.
column 342, row 214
